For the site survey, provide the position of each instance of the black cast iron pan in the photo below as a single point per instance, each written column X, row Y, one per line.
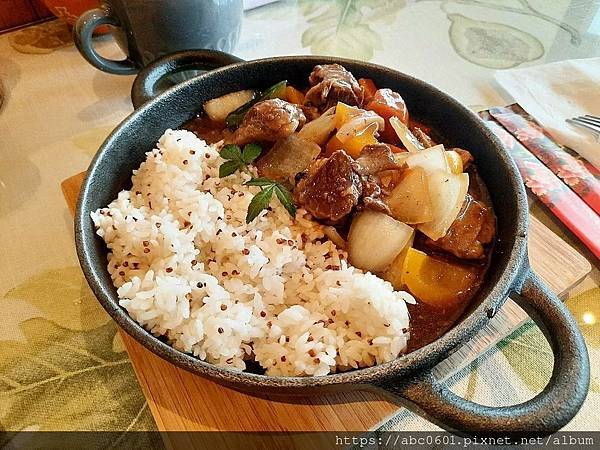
column 407, row 379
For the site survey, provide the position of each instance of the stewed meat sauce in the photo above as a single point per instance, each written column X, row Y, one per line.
column 339, row 184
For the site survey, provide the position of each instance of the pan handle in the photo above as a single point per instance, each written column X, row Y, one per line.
column 544, row 414
column 146, row 85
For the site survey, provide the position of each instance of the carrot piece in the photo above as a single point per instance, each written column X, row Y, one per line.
column 387, row 103
column 293, row 95
column 368, row 87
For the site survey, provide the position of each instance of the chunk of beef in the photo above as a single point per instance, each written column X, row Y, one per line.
column 375, row 158
column 371, row 196
column 269, row 120
column 422, row 137
column 330, row 189
column 332, row 83
column 310, row 112
column 473, row 228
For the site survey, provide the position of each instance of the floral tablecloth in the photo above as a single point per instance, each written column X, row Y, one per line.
column 62, row 363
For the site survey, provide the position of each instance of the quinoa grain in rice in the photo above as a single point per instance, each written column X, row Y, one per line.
column 289, row 243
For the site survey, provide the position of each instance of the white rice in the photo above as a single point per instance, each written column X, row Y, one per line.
column 188, row 267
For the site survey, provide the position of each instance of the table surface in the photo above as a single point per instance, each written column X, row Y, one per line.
column 173, row 394
column 62, row 363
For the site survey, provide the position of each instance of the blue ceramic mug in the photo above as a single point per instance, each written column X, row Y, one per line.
column 148, row 29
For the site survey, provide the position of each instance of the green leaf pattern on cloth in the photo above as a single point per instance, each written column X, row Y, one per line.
column 62, row 296
column 472, row 380
column 586, row 309
column 529, row 354
column 355, row 28
column 62, row 362
column 492, row 45
column 525, row 349
column 66, row 380
column 347, row 28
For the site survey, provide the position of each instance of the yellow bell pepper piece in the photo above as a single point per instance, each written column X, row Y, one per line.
column 354, row 145
column 434, row 281
column 343, row 113
column 332, row 145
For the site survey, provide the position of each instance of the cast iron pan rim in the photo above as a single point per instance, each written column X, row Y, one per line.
column 419, row 359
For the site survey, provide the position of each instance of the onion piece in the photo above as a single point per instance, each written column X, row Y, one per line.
column 408, row 139
column 319, row 130
column 287, row 157
column 357, row 125
column 389, row 179
column 375, row 239
column 335, row 237
column 401, row 158
column 352, row 121
column 447, row 192
column 409, row 201
column 430, row 159
column 218, row 109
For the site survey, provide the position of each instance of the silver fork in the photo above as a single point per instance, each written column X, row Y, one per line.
column 588, row 122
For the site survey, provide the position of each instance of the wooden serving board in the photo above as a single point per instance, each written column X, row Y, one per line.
column 182, row 401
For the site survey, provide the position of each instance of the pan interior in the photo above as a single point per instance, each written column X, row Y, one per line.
column 125, row 149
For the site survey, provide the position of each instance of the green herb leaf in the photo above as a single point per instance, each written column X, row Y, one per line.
column 251, row 152
column 275, row 91
column 285, row 197
column 235, row 118
column 229, row 167
column 259, row 182
column 237, row 159
column 262, row 199
column 231, row 152
column 259, row 202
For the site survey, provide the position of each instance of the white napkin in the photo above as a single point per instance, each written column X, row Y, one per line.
column 554, row 92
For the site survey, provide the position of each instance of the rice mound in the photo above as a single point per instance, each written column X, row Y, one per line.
column 188, row 267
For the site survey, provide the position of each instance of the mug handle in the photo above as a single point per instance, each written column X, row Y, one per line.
column 82, row 35
column 545, row 413
column 145, row 86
